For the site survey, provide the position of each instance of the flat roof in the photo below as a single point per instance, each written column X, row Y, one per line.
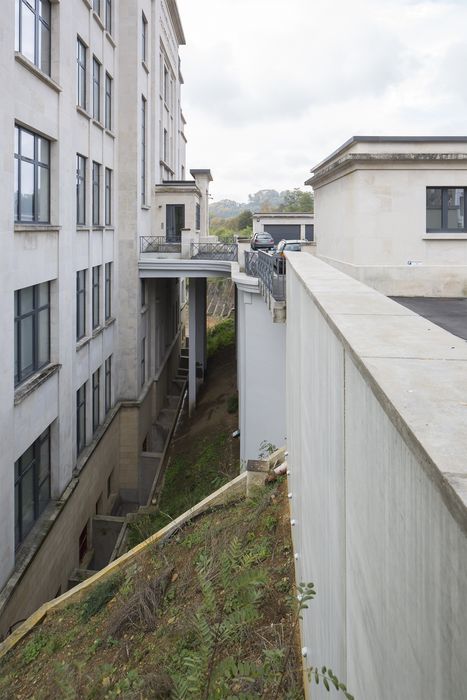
column 389, row 139
column 449, row 313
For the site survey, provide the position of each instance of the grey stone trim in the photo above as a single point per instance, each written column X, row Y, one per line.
column 30, row 385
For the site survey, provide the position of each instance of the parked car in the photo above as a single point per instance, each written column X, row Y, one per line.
column 279, row 253
column 262, row 241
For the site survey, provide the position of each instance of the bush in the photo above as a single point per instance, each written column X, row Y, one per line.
column 220, row 336
column 100, row 596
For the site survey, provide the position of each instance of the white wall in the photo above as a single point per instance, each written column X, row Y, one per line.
column 377, row 441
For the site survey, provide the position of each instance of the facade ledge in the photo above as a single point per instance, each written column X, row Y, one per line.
column 146, row 207
column 97, row 227
column 245, row 283
column 97, row 331
column 144, row 309
column 167, row 166
column 98, row 20
column 110, row 39
column 145, row 66
column 34, row 382
column 109, row 321
column 99, row 124
column 83, row 112
column 110, row 133
column 32, row 68
column 82, row 342
column 88, row 4
column 445, row 237
column 36, row 228
column 83, row 227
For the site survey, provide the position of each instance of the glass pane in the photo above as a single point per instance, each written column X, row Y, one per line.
column 44, row 10
column 455, row 209
column 43, row 151
column 43, row 194
column 26, row 460
column 44, row 48
column 27, row 144
column 26, row 300
column 81, row 428
column 81, row 320
column 43, row 293
column 44, row 496
column 17, row 3
column 26, row 350
column 27, row 33
column 27, row 501
column 43, row 353
column 16, row 188
column 27, row 191
column 44, row 458
column 17, row 531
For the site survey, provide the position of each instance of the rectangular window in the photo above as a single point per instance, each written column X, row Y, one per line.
column 96, row 388
column 198, row 217
column 32, row 330
column 108, row 384
column 96, row 89
column 81, row 74
column 108, row 16
column 96, row 6
column 32, row 177
column 166, row 85
column 108, row 102
column 80, row 190
column 33, row 32
column 143, row 361
column 144, row 38
column 96, row 188
column 96, row 296
column 80, row 304
column 32, row 485
column 81, row 418
column 108, row 290
column 108, row 197
column 445, row 209
column 165, row 147
column 143, row 151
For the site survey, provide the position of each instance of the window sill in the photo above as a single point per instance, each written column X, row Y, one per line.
column 83, row 112
column 110, row 321
column 448, row 236
column 146, row 207
column 144, row 309
column 34, row 382
column 97, row 123
column 98, row 20
column 82, row 342
column 97, row 227
column 36, row 228
column 97, row 331
column 83, row 227
column 111, row 39
column 166, row 166
column 88, row 4
column 32, row 68
column 145, row 66
column 110, row 133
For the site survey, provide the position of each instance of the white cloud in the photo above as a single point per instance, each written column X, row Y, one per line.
column 273, row 87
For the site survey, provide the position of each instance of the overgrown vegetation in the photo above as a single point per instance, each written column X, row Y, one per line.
column 99, row 597
column 220, row 336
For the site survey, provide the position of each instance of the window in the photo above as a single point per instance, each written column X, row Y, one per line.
column 96, row 186
column 32, row 485
column 108, row 197
column 445, row 209
column 143, row 151
column 32, row 177
column 166, row 85
column 96, row 89
column 80, row 189
column 80, row 304
column 81, row 418
column 108, row 290
column 96, row 6
column 96, row 388
column 81, row 74
column 108, row 384
column 144, row 38
column 108, row 16
column 96, row 296
column 165, row 147
column 108, row 102
column 198, row 217
column 143, row 361
column 32, row 330
column 33, row 32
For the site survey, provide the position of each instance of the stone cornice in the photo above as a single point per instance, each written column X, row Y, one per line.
column 177, row 23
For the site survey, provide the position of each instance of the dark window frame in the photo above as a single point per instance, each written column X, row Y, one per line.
column 108, row 197
column 108, row 291
column 445, row 210
column 80, row 189
column 143, row 149
column 40, row 22
column 81, row 303
column 144, row 38
column 22, row 471
column 96, row 89
column 108, row 101
column 36, row 312
column 108, row 384
column 81, row 73
column 108, row 16
column 198, row 217
column 96, row 296
column 38, row 165
column 96, row 193
column 81, row 413
column 96, row 400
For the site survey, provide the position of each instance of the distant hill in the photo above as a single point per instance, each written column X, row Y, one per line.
column 264, row 201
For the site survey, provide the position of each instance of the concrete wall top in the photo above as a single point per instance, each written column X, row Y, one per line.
column 417, row 370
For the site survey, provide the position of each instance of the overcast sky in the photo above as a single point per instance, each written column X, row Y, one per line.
column 273, row 86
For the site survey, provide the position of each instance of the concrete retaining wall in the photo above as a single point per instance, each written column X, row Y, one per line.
column 377, row 409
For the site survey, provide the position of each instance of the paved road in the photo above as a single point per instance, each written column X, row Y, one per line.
column 450, row 314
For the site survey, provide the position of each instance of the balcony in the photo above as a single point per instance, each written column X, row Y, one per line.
column 264, row 266
column 191, row 256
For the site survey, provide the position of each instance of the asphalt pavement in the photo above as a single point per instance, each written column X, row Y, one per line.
column 450, row 314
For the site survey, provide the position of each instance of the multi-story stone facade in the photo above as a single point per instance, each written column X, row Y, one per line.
column 90, row 122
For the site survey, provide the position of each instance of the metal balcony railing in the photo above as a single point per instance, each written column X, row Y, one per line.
column 158, row 244
column 251, row 263
column 214, row 251
column 269, row 275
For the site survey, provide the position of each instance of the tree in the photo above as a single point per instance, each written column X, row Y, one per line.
column 244, row 220
column 298, row 201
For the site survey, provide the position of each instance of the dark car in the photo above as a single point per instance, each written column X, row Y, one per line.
column 262, row 241
column 279, row 254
